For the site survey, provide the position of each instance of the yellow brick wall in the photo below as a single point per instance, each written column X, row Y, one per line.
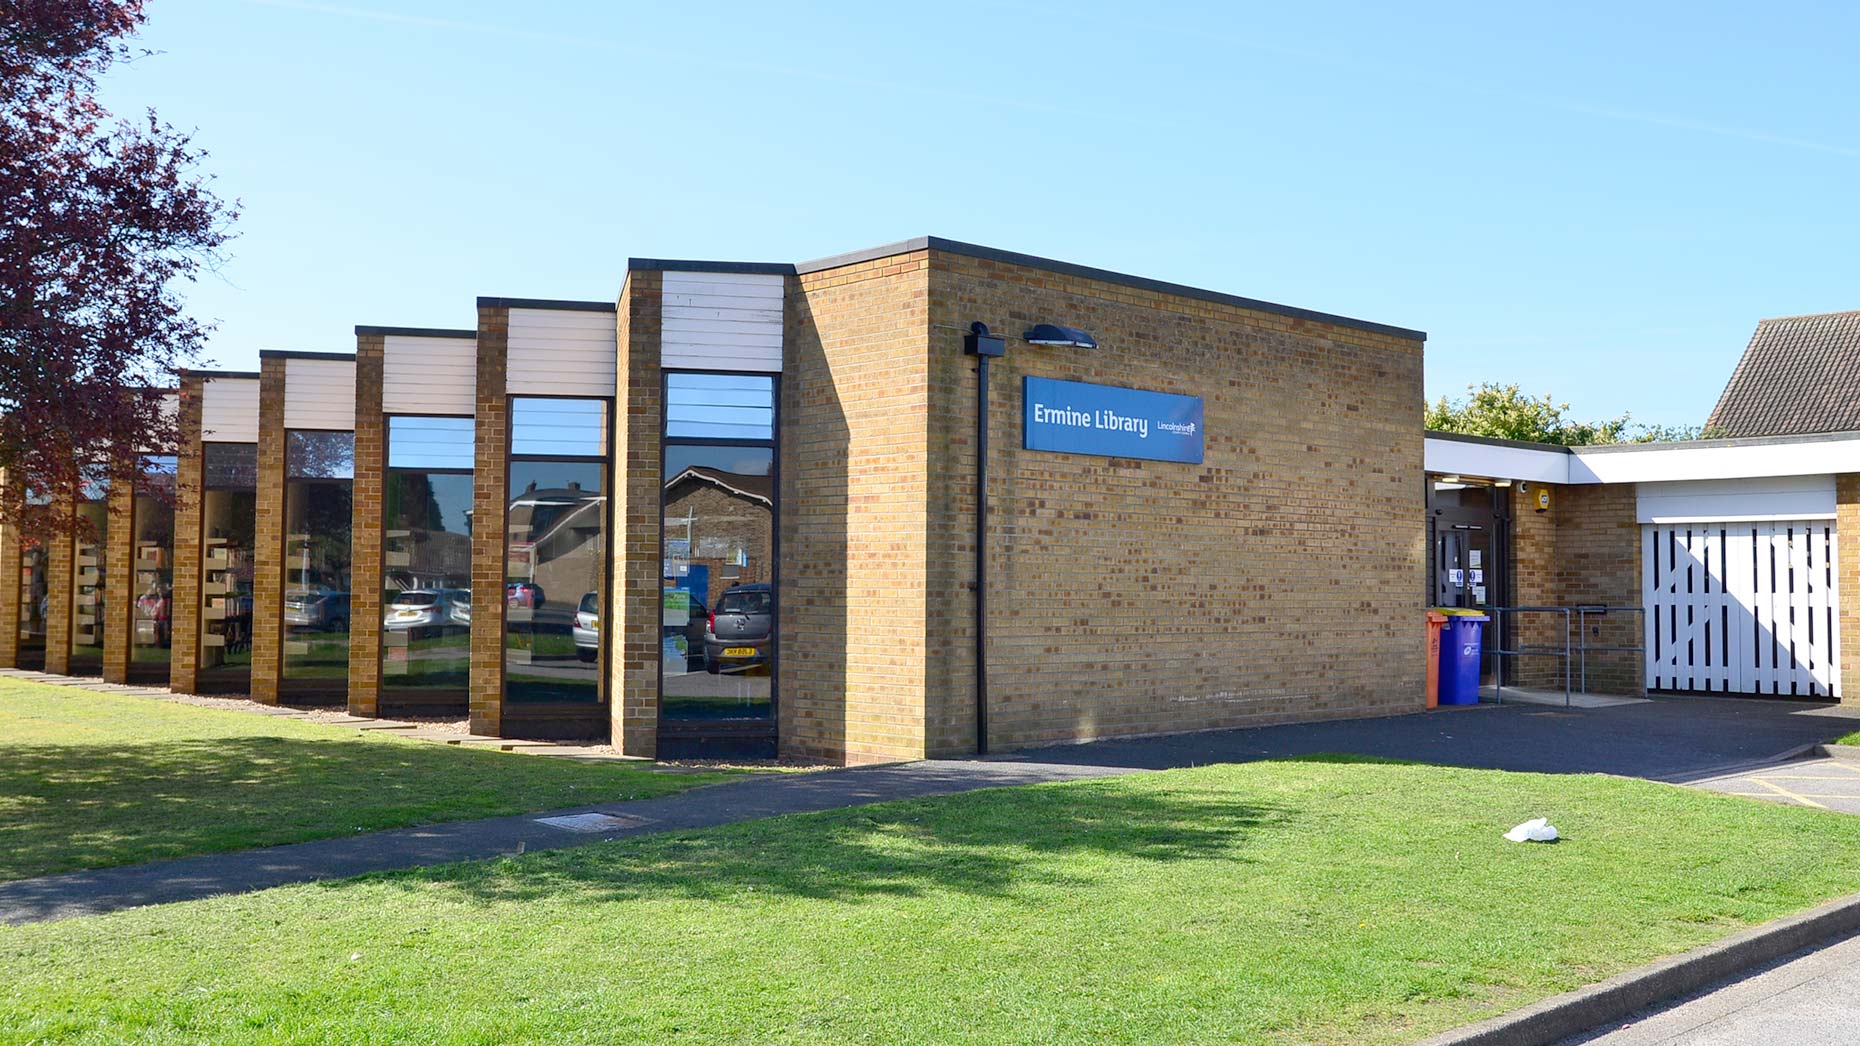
column 268, row 537
column 1279, row 580
column 1584, row 550
column 855, row 477
column 1847, row 559
column 1598, row 563
column 10, row 548
column 632, row 632
column 60, row 591
column 489, row 499
column 119, row 577
column 184, row 652
column 366, row 528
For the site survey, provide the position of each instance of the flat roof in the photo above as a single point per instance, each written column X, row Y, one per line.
column 417, row 332
column 972, row 250
column 1705, row 459
column 546, row 303
column 1495, row 441
column 677, row 265
column 222, row 375
column 302, row 354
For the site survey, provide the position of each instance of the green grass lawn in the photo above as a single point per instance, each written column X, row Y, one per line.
column 89, row 780
column 1293, row 901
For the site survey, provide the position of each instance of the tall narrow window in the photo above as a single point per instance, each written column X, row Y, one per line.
column 319, row 470
column 151, row 611
column 34, row 599
column 426, row 559
column 718, row 585
column 228, row 508
column 555, row 574
column 87, row 605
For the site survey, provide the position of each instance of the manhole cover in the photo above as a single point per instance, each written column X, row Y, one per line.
column 592, row 822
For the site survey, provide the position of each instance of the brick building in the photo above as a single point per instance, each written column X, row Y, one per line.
column 735, row 510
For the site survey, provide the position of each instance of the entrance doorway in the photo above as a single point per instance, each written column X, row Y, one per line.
column 1469, row 542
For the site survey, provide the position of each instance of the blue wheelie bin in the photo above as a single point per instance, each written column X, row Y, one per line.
column 1460, row 642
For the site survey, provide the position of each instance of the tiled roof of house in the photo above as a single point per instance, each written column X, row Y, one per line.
column 1799, row 374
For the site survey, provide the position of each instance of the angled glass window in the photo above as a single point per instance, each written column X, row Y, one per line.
column 160, row 468
column 319, row 468
column 230, row 466
column 720, row 406
column 228, row 514
column 89, row 545
column 558, row 428
column 416, row 442
column 319, row 455
column 426, row 602
column 555, row 580
column 152, row 543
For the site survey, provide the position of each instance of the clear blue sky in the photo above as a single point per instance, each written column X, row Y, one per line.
column 1594, row 200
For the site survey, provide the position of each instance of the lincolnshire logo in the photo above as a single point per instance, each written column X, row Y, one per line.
column 1178, row 427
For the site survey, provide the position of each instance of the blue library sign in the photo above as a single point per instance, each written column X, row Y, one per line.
column 1073, row 417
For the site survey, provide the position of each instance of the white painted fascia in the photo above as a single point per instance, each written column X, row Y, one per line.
column 1452, row 457
column 1666, row 463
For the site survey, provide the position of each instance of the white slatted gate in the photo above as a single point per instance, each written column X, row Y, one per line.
column 1747, row 608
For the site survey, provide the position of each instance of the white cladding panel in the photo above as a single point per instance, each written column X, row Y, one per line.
column 1769, row 498
column 562, row 352
column 229, row 410
column 319, row 394
column 1452, row 457
column 429, row 375
column 722, row 321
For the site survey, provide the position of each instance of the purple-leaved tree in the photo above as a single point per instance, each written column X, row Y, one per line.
column 101, row 221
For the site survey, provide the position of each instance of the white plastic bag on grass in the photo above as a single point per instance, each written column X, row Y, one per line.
column 1536, row 830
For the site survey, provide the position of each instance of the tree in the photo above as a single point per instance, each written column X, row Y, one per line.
column 1503, row 412
column 100, row 222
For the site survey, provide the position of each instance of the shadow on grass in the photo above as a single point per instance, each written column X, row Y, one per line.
column 986, row 843
column 65, row 807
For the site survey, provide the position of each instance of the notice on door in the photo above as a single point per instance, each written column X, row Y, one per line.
column 1073, row 417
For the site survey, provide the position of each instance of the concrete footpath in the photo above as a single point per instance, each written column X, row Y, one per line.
column 746, row 799
column 1669, row 739
column 1810, row 998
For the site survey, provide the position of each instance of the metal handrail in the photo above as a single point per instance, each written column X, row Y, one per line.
column 1498, row 619
column 1583, row 611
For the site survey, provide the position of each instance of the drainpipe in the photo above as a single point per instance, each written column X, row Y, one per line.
column 984, row 347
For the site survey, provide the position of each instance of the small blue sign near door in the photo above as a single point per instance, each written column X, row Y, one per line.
column 1073, row 417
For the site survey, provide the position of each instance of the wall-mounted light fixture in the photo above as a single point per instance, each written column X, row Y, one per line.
column 1054, row 334
column 984, row 345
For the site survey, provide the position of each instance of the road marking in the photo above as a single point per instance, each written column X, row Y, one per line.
column 1787, row 794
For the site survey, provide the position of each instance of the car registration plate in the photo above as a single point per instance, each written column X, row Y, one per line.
column 739, row 651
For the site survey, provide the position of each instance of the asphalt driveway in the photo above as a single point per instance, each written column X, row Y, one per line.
column 1679, row 739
